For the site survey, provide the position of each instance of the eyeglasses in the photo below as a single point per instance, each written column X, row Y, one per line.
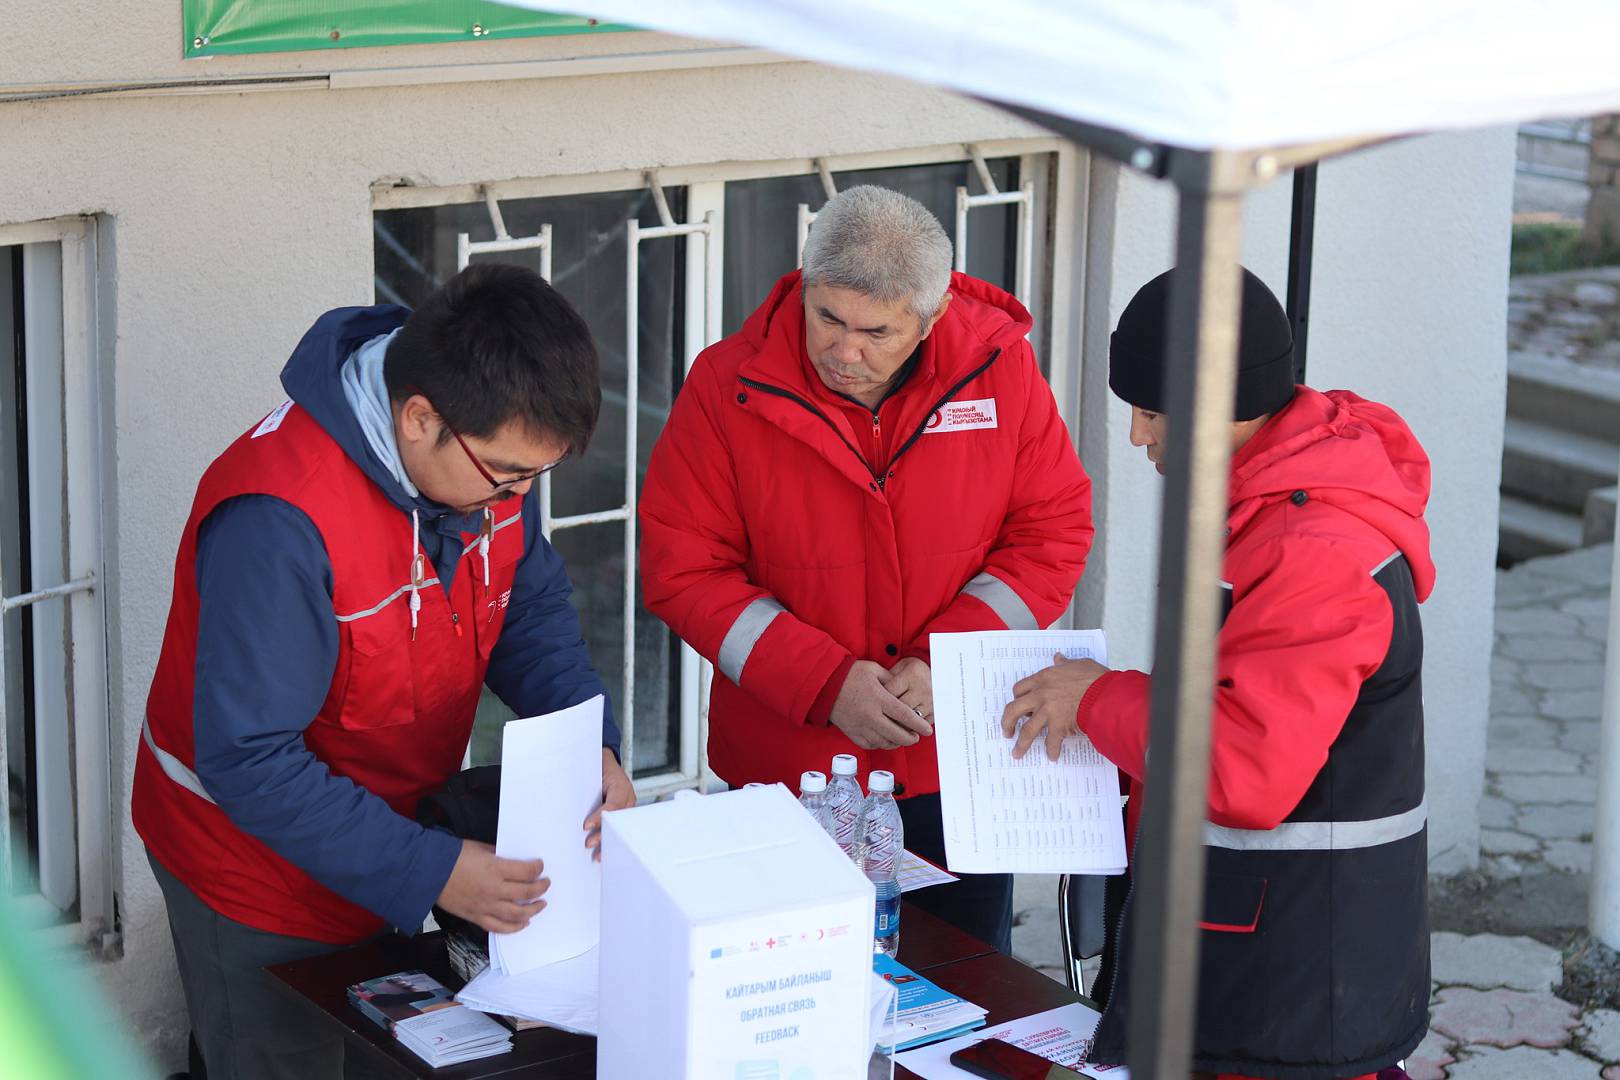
column 498, row 485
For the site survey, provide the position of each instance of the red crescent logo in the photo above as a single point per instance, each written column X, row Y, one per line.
column 937, row 419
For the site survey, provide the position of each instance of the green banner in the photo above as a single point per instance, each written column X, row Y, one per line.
column 223, row 27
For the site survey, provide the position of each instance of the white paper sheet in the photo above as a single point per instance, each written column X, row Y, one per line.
column 1061, row 1035
column 917, row 872
column 551, row 780
column 563, row 994
column 1032, row 816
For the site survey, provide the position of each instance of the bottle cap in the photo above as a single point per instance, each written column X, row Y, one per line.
column 812, row 782
column 845, row 765
column 754, row 783
column 880, row 780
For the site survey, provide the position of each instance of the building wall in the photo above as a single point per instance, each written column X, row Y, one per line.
column 232, row 219
column 1408, row 307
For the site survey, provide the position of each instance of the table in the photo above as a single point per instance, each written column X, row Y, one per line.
column 954, row 960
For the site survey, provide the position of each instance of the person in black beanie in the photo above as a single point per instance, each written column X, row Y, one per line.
column 1314, row 955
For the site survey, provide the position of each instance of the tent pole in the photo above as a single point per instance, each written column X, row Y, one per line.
column 1202, row 346
column 1605, row 901
column 1301, row 245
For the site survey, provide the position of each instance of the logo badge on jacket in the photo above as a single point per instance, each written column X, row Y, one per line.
column 963, row 416
column 273, row 421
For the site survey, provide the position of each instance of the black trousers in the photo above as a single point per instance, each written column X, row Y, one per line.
column 980, row 904
column 245, row 1025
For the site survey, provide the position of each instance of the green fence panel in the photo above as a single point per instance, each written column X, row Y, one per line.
column 223, row 27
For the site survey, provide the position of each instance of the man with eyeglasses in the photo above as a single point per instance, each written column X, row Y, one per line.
column 355, row 568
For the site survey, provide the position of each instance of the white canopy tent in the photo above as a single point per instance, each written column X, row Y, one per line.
column 1217, row 97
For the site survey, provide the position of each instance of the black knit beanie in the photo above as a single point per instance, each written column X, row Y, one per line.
column 1265, row 361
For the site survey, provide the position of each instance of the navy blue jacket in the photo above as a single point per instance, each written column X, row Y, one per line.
column 267, row 646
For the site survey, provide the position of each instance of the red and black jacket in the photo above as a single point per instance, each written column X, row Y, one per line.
column 1314, row 958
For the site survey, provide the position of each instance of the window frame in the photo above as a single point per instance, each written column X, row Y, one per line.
column 82, row 592
column 1053, row 170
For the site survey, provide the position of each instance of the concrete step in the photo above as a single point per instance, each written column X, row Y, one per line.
column 1564, row 395
column 1555, row 467
column 1597, row 524
column 1528, row 529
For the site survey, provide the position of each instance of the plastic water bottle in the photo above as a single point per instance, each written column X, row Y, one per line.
column 844, row 798
column 882, row 840
column 813, row 797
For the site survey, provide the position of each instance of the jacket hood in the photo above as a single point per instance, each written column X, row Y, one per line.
column 313, row 378
column 981, row 318
column 1351, row 453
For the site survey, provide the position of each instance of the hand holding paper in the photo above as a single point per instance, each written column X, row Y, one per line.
column 1019, row 814
column 496, row 894
column 551, row 782
column 1048, row 702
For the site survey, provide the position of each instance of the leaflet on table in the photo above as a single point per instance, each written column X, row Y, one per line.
column 1029, row 815
column 925, row 1013
column 1062, row 1036
column 421, row 1013
column 917, row 872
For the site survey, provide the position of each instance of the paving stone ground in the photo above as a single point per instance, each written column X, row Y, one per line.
column 1494, row 1013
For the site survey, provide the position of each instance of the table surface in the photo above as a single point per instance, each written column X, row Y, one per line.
column 954, row 960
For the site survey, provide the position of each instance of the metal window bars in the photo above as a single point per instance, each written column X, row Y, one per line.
column 805, row 215
column 71, row 771
column 1023, row 198
column 689, row 771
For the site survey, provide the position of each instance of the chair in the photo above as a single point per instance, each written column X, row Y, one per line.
column 1080, row 923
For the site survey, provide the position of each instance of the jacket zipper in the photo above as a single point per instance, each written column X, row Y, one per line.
column 777, row 391
column 879, row 477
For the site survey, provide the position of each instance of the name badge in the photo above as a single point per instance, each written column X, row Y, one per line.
column 963, row 416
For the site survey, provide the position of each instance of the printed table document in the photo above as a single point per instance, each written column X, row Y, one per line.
column 1033, row 816
column 1061, row 1035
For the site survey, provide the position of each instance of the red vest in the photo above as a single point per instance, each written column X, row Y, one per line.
column 399, row 711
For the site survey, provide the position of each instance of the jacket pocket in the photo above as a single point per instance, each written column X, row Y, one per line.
column 1232, row 903
column 379, row 691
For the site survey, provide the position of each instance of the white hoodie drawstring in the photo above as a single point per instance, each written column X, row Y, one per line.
column 418, row 572
column 484, row 534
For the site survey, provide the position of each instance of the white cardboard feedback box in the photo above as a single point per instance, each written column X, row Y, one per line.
column 736, row 943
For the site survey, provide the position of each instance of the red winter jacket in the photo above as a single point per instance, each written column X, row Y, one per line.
column 787, row 531
column 1320, row 497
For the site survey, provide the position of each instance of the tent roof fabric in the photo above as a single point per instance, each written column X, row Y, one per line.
column 1200, row 74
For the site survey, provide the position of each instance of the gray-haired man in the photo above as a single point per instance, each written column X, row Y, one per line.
column 873, row 458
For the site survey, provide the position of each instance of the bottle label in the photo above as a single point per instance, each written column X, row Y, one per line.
column 887, row 923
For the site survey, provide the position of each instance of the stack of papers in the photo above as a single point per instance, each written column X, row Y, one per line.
column 562, row 995
column 925, row 1013
column 419, row 1012
column 1025, row 816
column 469, row 960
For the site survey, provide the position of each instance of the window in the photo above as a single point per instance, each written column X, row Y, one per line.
column 707, row 252
column 55, row 854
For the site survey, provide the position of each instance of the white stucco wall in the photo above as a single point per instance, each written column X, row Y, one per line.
column 1408, row 307
column 231, row 220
